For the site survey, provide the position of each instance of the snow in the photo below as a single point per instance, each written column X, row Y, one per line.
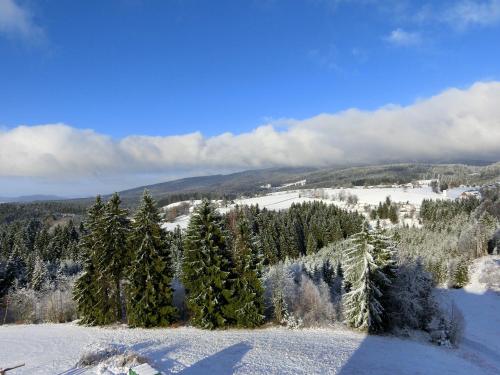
column 56, row 348
column 480, row 304
column 144, row 369
column 282, row 200
column 180, row 221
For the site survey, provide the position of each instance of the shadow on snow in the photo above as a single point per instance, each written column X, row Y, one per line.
column 479, row 351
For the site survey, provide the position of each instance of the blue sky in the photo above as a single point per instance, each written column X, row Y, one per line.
column 169, row 68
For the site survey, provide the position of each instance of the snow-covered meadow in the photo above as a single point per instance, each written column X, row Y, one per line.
column 56, row 348
column 367, row 197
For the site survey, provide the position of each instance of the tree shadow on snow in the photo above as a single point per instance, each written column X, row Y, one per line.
column 224, row 362
column 159, row 357
column 478, row 353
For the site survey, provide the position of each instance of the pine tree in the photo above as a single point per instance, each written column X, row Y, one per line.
column 176, row 248
column 246, row 307
column 92, row 303
column 383, row 252
column 115, row 258
column 40, row 274
column 312, row 244
column 461, row 273
column 206, row 268
column 362, row 304
column 150, row 293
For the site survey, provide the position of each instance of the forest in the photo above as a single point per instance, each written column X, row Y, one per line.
column 310, row 265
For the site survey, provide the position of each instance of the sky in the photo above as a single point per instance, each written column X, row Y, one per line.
column 98, row 96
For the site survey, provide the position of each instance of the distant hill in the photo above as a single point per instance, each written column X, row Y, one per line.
column 31, row 198
column 247, row 182
column 252, row 181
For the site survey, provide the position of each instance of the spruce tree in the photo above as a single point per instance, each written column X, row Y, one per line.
column 312, row 244
column 150, row 294
column 40, row 274
column 461, row 273
column 362, row 304
column 115, row 258
column 246, row 307
column 92, row 303
column 206, row 268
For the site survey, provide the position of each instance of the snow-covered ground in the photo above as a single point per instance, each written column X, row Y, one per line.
column 367, row 196
column 55, row 348
column 480, row 304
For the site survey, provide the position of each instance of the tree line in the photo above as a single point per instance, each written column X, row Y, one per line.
column 129, row 266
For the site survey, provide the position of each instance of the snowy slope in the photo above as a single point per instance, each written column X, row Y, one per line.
column 367, row 196
column 55, row 348
column 480, row 304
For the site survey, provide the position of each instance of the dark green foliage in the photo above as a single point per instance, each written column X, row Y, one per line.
column 85, row 295
column 386, row 210
column 115, row 256
column 92, row 302
column 312, row 245
column 302, row 229
column 12, row 212
column 206, row 268
column 246, row 307
column 149, row 291
column 460, row 276
column 176, row 239
column 437, row 214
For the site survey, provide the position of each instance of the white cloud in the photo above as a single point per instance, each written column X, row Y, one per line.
column 402, row 38
column 456, row 124
column 16, row 21
column 465, row 13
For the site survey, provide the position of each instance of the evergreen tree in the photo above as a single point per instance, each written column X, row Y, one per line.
column 206, row 268
column 176, row 249
column 362, row 304
column 312, row 244
column 115, row 257
column 149, row 292
column 40, row 274
column 92, row 302
column 461, row 273
column 246, row 307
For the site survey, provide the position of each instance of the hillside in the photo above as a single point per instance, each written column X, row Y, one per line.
column 249, row 182
column 56, row 348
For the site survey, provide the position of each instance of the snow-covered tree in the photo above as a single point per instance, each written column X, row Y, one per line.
column 149, row 291
column 411, row 302
column 40, row 275
column 206, row 268
column 279, row 287
column 363, row 264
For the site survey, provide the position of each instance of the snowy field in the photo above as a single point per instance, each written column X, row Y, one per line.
column 367, row 196
column 55, row 348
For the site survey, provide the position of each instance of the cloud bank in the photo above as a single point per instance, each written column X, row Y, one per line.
column 456, row 124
